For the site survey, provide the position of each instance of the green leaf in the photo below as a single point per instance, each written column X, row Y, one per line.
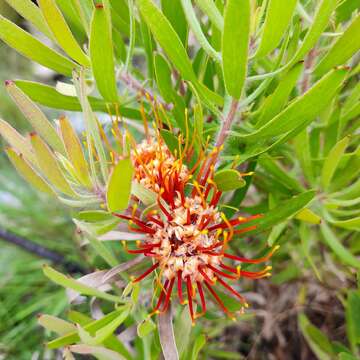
column 70, row 283
column 346, row 356
column 119, row 186
column 317, row 341
column 61, row 31
column 146, row 196
column 200, row 342
column 94, row 216
column 50, row 97
column 283, row 211
column 91, row 327
column 170, row 139
column 163, row 77
column 351, row 224
column 276, row 22
column 98, row 352
column 28, row 173
column 102, row 334
column 275, row 102
column 308, row 216
column 174, row 12
column 235, row 43
column 102, row 54
column 353, row 318
column 320, row 22
column 303, row 109
column 182, row 331
column 74, row 151
column 210, row 9
column 228, row 179
column 29, row 11
column 167, row 38
column 343, row 49
column 92, row 133
column 99, row 247
column 197, row 30
column 49, row 165
column 33, row 49
column 59, row 326
column 273, row 168
column 332, row 161
column 17, row 141
column 145, row 328
column 36, row 117
column 339, row 250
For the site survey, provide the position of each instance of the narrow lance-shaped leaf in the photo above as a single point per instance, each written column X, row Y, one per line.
column 50, row 97
column 29, row 11
column 303, row 109
column 167, row 38
column 235, row 44
column 91, row 326
column 17, row 141
column 274, row 103
column 102, row 54
column 345, row 47
column 36, row 117
column 61, row 31
column 92, row 126
column 197, row 30
column 59, row 326
column 174, row 49
column 210, row 9
column 74, row 151
column 33, row 49
column 337, row 247
column 49, row 165
column 119, row 186
column 353, row 318
column 319, row 24
column 278, row 17
column 332, row 161
column 163, row 78
column 28, row 173
column 68, row 282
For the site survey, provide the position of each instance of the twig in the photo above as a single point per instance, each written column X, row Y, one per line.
column 309, row 63
column 40, row 251
column 226, row 125
column 135, row 85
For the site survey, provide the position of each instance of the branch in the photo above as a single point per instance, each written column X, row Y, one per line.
column 40, row 251
column 135, row 85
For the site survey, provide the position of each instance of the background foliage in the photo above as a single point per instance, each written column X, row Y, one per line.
column 289, row 73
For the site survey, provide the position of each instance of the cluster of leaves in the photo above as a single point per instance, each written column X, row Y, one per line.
column 278, row 85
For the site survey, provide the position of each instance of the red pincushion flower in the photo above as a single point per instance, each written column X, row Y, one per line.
column 187, row 236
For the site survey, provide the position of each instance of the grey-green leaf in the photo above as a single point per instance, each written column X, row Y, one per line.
column 33, row 49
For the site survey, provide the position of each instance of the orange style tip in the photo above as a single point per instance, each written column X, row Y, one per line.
column 269, row 268
column 276, row 247
column 233, row 318
column 193, row 323
column 246, row 305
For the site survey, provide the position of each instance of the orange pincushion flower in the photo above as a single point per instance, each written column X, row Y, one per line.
column 186, row 237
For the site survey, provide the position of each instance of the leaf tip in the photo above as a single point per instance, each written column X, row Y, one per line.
column 99, row 6
column 8, row 82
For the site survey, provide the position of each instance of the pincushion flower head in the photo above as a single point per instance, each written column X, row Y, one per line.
column 183, row 233
column 186, row 236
